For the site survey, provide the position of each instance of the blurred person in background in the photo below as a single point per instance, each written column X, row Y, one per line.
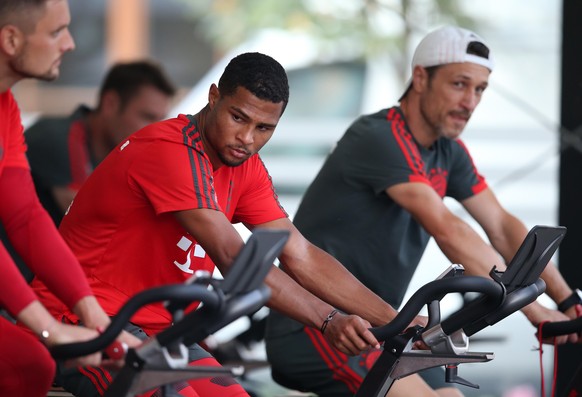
column 63, row 151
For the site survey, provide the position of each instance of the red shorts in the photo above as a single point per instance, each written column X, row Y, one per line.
column 26, row 367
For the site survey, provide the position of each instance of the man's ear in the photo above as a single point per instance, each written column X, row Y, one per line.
column 213, row 95
column 11, row 39
column 419, row 78
column 110, row 102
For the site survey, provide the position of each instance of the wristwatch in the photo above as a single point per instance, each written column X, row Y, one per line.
column 574, row 299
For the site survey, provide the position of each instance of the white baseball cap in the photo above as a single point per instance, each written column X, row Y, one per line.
column 451, row 44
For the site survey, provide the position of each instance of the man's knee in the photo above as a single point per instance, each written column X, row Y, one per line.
column 17, row 377
column 449, row 392
column 44, row 370
column 414, row 385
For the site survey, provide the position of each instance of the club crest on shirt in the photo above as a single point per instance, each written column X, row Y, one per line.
column 438, row 180
column 192, row 251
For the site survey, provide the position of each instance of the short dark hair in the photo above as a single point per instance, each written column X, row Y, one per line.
column 127, row 78
column 21, row 13
column 263, row 76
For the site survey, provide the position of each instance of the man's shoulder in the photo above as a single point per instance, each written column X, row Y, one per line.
column 48, row 125
column 166, row 139
column 371, row 127
column 6, row 97
column 186, row 122
column 51, row 128
column 381, row 119
column 10, row 114
column 176, row 129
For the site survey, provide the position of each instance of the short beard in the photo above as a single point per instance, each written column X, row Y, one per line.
column 17, row 66
column 48, row 76
column 425, row 115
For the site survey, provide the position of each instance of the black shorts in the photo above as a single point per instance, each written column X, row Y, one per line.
column 305, row 361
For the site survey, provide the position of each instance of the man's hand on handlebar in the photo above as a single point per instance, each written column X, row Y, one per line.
column 128, row 339
column 93, row 316
column 574, row 312
column 124, row 341
column 61, row 333
column 350, row 334
column 542, row 314
column 421, row 321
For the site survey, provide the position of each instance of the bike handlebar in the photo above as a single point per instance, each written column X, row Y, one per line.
column 493, row 291
column 557, row 328
column 184, row 293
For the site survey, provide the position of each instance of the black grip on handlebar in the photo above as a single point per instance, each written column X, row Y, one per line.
column 174, row 292
column 513, row 302
column 435, row 290
column 558, row 328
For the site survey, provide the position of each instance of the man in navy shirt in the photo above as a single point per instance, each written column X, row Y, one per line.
column 378, row 200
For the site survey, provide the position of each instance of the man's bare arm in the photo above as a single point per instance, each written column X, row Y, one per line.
column 222, row 242
column 324, row 276
column 461, row 244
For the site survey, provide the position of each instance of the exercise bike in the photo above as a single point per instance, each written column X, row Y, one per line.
column 448, row 340
column 163, row 359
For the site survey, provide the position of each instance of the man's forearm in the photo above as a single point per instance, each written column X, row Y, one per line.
column 37, row 319
column 289, row 298
column 462, row 245
column 326, row 278
column 556, row 287
column 91, row 313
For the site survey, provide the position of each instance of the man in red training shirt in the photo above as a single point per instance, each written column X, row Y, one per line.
column 162, row 204
column 34, row 36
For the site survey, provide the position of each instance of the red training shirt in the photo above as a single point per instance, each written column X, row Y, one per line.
column 121, row 225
